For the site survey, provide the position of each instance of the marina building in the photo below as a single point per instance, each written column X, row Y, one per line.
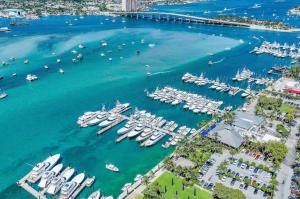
column 129, row 5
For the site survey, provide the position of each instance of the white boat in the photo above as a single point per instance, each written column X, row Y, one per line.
column 4, row 29
column 94, row 121
column 59, row 181
column 81, row 46
column 109, row 121
column 112, row 167
column 137, row 130
column 145, row 135
column 61, row 71
column 46, row 67
column 58, row 61
column 3, row 95
column 154, row 138
column 26, row 61
column 68, row 189
column 95, row 195
column 41, row 167
column 107, row 197
column 49, row 175
column 31, row 77
column 104, row 44
column 151, row 45
column 128, row 126
column 102, row 55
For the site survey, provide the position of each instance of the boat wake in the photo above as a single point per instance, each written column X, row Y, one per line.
column 158, row 73
column 219, row 61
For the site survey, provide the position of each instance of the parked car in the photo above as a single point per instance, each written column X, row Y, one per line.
column 241, row 186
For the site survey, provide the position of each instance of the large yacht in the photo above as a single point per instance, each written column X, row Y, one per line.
column 128, row 126
column 145, row 135
column 49, row 175
column 154, row 138
column 99, row 118
column 68, row 189
column 41, row 167
column 3, row 95
column 59, row 181
column 136, row 131
column 111, row 119
column 95, row 195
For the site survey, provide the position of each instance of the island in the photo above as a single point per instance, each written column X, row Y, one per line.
column 266, row 24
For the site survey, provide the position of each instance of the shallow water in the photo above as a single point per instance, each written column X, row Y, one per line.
column 39, row 118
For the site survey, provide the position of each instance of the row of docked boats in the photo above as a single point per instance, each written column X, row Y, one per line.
column 145, row 128
column 181, row 134
column 53, row 178
column 193, row 102
column 278, row 50
column 102, row 117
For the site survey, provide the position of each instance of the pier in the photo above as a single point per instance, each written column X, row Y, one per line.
column 122, row 137
column 81, row 187
column 22, row 183
column 120, row 120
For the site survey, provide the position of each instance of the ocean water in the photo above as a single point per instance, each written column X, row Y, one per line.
column 39, row 118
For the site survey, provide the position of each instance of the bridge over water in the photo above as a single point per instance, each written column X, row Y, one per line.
column 177, row 17
column 167, row 16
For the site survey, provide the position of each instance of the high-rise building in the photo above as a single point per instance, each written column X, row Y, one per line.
column 129, row 5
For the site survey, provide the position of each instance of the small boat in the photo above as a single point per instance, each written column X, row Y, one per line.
column 26, row 61
column 4, row 29
column 14, row 74
column 148, row 74
column 151, row 45
column 81, row 46
column 46, row 67
column 58, row 61
column 112, row 167
column 95, row 195
column 31, row 77
column 102, row 55
column 109, row 59
column 3, row 95
column 61, row 71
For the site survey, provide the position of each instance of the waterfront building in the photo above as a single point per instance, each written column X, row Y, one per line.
column 129, row 5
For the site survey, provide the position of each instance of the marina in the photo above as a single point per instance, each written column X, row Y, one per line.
column 53, row 178
column 193, row 102
column 278, row 50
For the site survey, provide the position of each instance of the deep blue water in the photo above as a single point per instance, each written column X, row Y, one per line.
column 39, row 118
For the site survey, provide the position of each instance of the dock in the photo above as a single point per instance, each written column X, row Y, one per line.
column 100, row 132
column 22, row 183
column 122, row 137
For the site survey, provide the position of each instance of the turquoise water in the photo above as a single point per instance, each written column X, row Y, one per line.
column 39, row 118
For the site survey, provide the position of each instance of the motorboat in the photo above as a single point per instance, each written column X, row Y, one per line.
column 95, row 195
column 68, row 189
column 3, row 95
column 81, row 46
column 111, row 119
column 154, row 138
column 46, row 67
column 61, row 71
column 4, row 29
column 58, row 61
column 137, row 130
column 26, row 61
column 49, row 175
column 112, row 167
column 145, row 135
column 59, row 181
column 128, row 126
column 46, row 165
column 31, row 77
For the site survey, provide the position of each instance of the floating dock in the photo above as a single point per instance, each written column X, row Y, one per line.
column 122, row 137
column 22, row 183
column 100, row 132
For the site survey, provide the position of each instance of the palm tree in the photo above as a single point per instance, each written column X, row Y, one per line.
column 229, row 117
column 145, row 180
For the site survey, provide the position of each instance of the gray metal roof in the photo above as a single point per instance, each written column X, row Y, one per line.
column 246, row 120
column 227, row 135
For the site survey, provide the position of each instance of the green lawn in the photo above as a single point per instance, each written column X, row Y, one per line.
column 287, row 108
column 166, row 180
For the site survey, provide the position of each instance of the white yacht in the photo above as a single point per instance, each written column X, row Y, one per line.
column 112, row 167
column 41, row 167
column 59, row 181
column 111, row 119
column 46, row 67
column 68, row 189
column 137, row 130
column 95, row 195
column 145, row 135
column 26, row 61
column 128, row 126
column 154, row 138
column 49, row 175
column 4, row 29
column 31, row 77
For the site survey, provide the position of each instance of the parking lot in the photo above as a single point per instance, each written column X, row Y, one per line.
column 236, row 174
